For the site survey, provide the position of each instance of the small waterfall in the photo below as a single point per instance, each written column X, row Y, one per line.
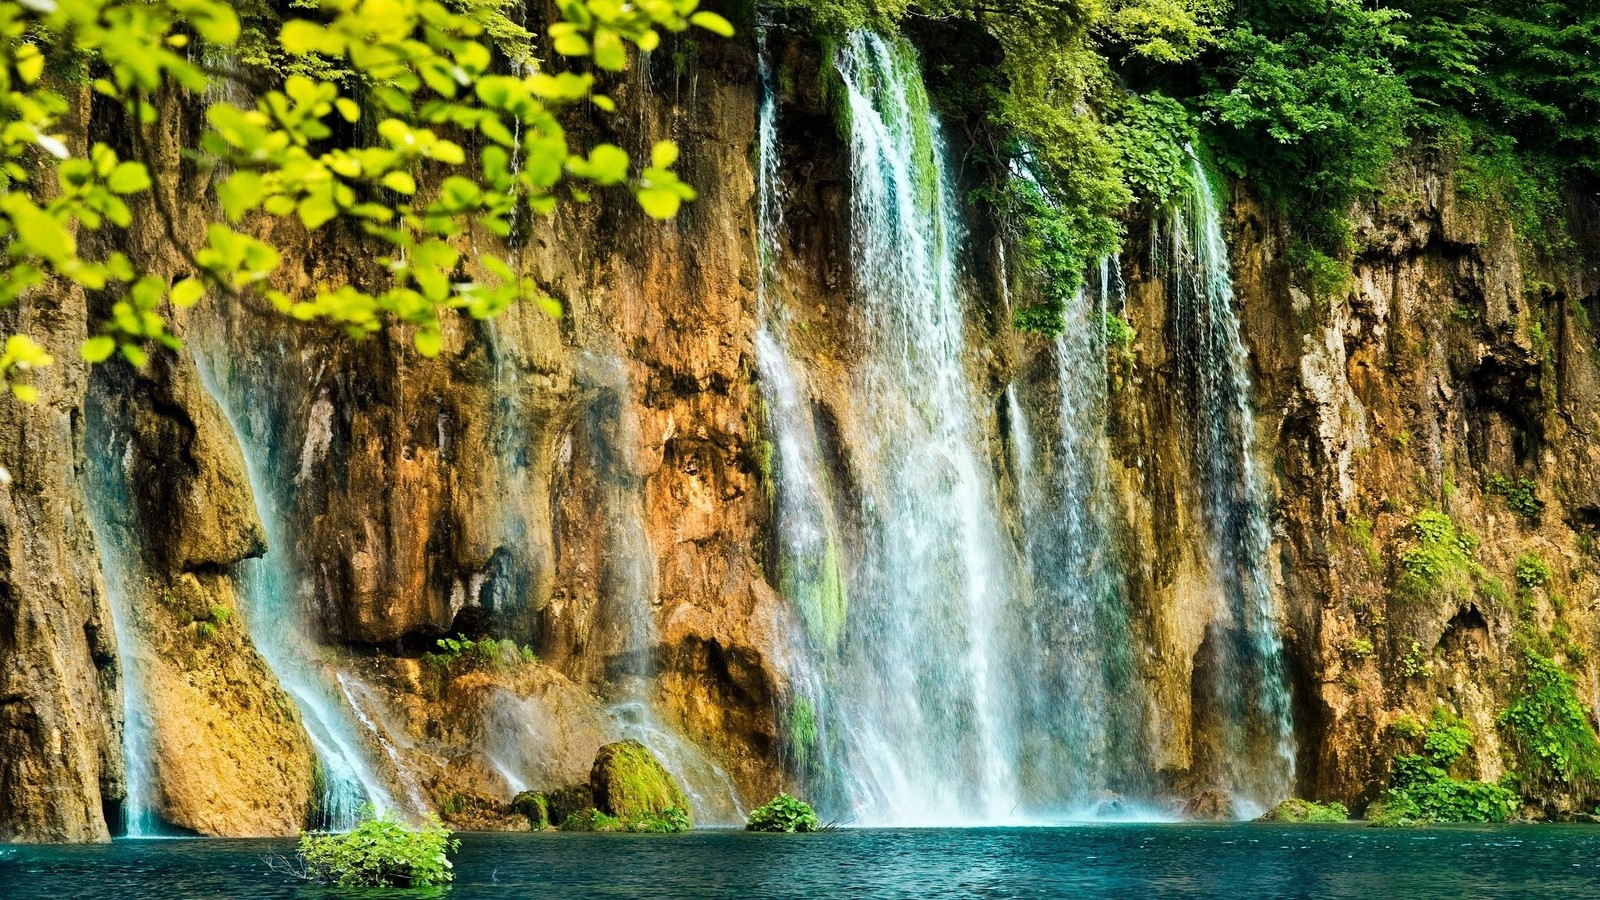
column 1084, row 713
column 107, row 495
column 1241, row 671
column 273, row 609
column 923, row 686
column 629, row 593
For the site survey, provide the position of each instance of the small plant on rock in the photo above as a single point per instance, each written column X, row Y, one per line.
column 784, row 814
column 380, row 852
column 1522, row 495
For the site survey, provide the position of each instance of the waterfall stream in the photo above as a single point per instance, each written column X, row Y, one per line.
column 273, row 610
column 108, row 500
column 1246, row 684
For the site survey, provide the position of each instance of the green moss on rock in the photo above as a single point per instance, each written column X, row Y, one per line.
column 629, row 783
column 1307, row 812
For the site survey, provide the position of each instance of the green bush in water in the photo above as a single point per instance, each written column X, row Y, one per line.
column 1308, row 812
column 784, row 814
column 671, row 821
column 381, row 852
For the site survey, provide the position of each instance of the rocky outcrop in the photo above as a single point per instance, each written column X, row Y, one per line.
column 629, row 783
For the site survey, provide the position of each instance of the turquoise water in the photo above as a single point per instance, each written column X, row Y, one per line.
column 1101, row 860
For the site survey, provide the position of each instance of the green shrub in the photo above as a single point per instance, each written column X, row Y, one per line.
column 1549, row 726
column 784, row 814
column 1533, row 572
column 381, row 852
column 1423, row 791
column 672, row 821
column 1308, row 812
column 1359, row 648
column 467, row 654
column 1521, row 495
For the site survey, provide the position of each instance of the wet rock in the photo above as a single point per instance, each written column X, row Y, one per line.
column 631, row 784
column 1110, row 805
column 535, row 807
column 569, row 801
column 1211, row 805
column 471, row 793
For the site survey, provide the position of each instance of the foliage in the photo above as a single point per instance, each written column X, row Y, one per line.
column 1550, row 727
column 1521, row 495
column 1309, row 107
column 381, row 852
column 1359, row 648
column 784, row 814
column 1423, row 791
column 669, row 821
column 592, row 820
column 1151, row 134
column 535, row 806
column 1119, row 334
column 419, row 76
column 1049, row 245
column 1439, row 561
column 1533, row 572
column 488, row 653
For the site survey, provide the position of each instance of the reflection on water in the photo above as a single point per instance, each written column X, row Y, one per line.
column 1100, row 860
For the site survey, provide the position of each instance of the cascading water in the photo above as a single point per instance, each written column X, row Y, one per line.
column 107, row 495
column 272, row 609
column 1242, row 669
column 629, row 593
column 1085, row 735
column 919, row 685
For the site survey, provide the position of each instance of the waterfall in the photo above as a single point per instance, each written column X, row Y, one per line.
column 107, row 494
column 922, row 684
column 1244, row 682
column 273, row 611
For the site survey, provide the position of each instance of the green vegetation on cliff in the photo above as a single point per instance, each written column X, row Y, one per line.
column 1423, row 789
column 1307, row 101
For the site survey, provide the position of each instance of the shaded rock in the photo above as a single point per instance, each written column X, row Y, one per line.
column 1109, row 805
column 631, row 784
column 1211, row 806
column 473, row 794
column 565, row 802
column 534, row 806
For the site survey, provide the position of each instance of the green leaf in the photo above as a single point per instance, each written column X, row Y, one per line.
column 187, row 292
column 664, row 154
column 27, row 393
column 400, row 182
column 300, row 37
column 315, row 210
column 659, row 203
column 30, row 63
column 98, row 349
column 348, row 109
column 128, row 178
column 429, row 342
column 134, row 355
column 713, row 23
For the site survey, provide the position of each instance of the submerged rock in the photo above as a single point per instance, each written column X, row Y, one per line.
column 1306, row 811
column 1110, row 805
column 630, row 783
column 1211, row 805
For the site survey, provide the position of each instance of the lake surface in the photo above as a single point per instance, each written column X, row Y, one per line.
column 1245, row 860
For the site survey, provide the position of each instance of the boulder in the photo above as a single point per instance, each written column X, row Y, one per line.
column 629, row 783
column 1306, row 811
column 564, row 802
column 1211, row 805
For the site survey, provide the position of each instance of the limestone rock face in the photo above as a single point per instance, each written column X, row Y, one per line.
column 227, row 752
column 629, row 783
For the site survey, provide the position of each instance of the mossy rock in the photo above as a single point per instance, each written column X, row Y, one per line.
column 563, row 803
column 592, row 820
column 1307, row 812
column 535, row 806
column 630, row 784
